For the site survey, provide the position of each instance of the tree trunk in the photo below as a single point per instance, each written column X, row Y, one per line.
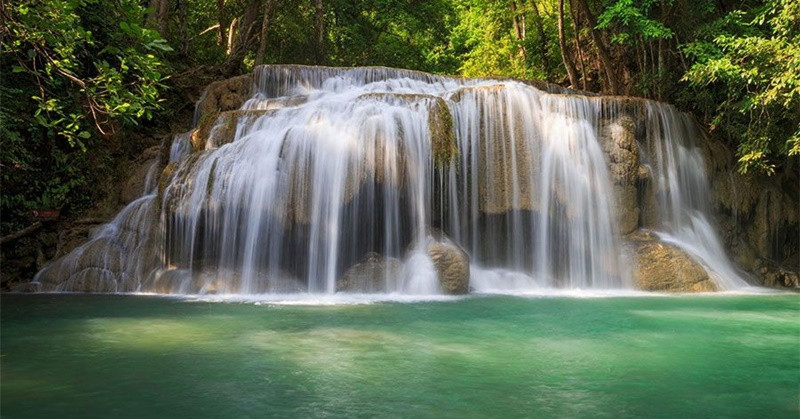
column 543, row 41
column 21, row 233
column 232, row 35
column 319, row 29
column 238, row 48
column 518, row 29
column 597, row 37
column 159, row 15
column 223, row 24
column 578, row 48
column 183, row 28
column 565, row 56
column 269, row 6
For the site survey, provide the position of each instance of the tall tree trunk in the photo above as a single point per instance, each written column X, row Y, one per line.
column 578, row 48
column 597, row 38
column 319, row 29
column 223, row 24
column 238, row 48
column 565, row 56
column 183, row 28
column 518, row 29
column 159, row 15
column 543, row 41
column 269, row 6
column 232, row 35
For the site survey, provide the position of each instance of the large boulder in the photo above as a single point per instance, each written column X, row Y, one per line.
column 373, row 274
column 618, row 139
column 661, row 266
column 452, row 265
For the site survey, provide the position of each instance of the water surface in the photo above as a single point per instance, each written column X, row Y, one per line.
column 500, row 356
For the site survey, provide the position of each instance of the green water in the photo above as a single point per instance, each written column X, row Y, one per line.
column 134, row 356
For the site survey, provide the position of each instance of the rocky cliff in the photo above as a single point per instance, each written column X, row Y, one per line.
column 756, row 218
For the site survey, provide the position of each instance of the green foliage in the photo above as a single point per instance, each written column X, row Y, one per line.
column 753, row 57
column 73, row 71
column 86, row 66
column 631, row 22
column 484, row 42
column 77, row 71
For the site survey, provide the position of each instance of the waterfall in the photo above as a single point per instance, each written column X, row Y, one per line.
column 683, row 192
column 322, row 174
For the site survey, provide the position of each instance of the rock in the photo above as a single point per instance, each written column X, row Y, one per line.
column 140, row 179
column 25, row 287
column 221, row 96
column 505, row 152
column 373, row 274
column 648, row 204
column 91, row 279
column 618, row 138
column 443, row 140
column 663, row 267
column 101, row 253
column 782, row 278
column 452, row 265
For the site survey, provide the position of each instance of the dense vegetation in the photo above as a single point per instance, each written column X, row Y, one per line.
column 77, row 75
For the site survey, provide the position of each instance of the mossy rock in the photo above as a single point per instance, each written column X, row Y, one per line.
column 443, row 139
column 452, row 265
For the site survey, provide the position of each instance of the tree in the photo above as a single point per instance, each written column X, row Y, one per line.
column 85, row 65
column 75, row 72
column 751, row 59
column 566, row 57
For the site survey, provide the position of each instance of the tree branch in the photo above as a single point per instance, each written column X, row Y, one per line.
column 21, row 233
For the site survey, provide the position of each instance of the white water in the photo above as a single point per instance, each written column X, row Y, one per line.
column 683, row 193
column 331, row 164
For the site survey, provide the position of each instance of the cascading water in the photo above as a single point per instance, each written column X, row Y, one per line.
column 683, row 192
column 326, row 173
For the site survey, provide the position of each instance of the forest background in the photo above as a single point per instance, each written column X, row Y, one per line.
column 84, row 82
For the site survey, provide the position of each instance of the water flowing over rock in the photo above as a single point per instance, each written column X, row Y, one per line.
column 373, row 274
column 661, row 266
column 451, row 263
column 326, row 179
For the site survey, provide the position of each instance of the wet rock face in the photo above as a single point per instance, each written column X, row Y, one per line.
column 758, row 217
column 661, row 266
column 371, row 275
column 221, row 96
column 109, row 261
column 618, row 138
column 780, row 278
column 144, row 171
column 452, row 265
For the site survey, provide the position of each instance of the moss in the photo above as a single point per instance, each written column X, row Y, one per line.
column 219, row 97
column 204, row 126
column 443, row 140
column 211, row 173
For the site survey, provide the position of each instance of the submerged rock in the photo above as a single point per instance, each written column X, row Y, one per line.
column 373, row 274
column 661, row 266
